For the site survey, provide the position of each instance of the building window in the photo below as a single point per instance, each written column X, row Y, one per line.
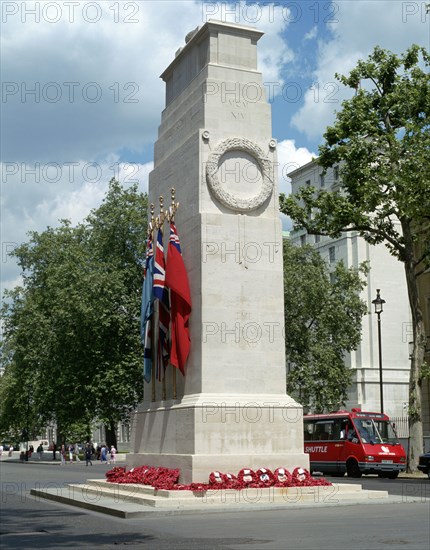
column 302, row 240
column 332, row 278
column 317, row 239
column 307, row 183
column 336, row 173
column 332, row 254
column 322, row 180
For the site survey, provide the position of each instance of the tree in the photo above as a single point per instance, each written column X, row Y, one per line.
column 72, row 330
column 381, row 139
column 322, row 323
column 117, row 239
column 40, row 340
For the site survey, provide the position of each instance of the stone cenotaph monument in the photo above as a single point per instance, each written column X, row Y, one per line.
column 215, row 148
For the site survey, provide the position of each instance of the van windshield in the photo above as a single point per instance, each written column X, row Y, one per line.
column 375, row 431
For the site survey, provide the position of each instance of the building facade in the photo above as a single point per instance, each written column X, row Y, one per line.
column 387, row 274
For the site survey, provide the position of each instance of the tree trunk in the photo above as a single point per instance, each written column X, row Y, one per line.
column 111, row 434
column 417, row 360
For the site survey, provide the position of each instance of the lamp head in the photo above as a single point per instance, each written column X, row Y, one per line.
column 378, row 302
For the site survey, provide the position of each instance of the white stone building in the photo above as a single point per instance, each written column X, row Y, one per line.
column 387, row 274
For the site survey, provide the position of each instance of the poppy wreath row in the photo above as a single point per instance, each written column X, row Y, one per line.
column 157, row 477
column 165, row 478
column 264, row 477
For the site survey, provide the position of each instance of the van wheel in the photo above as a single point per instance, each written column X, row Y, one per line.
column 352, row 469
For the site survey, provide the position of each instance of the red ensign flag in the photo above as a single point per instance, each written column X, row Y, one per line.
column 180, row 302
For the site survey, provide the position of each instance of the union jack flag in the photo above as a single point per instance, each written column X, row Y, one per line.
column 161, row 293
column 159, row 268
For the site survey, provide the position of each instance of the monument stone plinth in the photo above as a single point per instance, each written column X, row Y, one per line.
column 216, row 149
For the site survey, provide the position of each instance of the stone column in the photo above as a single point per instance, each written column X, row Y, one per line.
column 215, row 147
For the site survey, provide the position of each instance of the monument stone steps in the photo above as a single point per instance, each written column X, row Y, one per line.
column 133, row 500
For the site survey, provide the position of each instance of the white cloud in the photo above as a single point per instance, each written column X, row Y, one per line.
column 290, row 158
column 54, row 190
column 311, row 34
column 70, row 62
column 97, row 84
column 81, row 89
column 360, row 26
column 37, row 196
column 75, row 89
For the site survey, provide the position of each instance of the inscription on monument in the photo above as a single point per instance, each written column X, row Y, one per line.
column 239, row 109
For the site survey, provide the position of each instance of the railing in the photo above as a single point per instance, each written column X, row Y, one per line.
column 401, row 424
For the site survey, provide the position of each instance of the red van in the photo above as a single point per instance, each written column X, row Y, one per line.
column 355, row 442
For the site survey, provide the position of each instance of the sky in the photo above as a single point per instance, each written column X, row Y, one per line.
column 82, row 98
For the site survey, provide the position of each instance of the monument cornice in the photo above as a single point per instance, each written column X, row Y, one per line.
column 209, row 27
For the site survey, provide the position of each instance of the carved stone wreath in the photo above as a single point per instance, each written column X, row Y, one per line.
column 229, row 199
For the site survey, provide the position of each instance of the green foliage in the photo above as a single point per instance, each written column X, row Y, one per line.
column 71, row 333
column 322, row 324
column 381, row 139
column 381, row 142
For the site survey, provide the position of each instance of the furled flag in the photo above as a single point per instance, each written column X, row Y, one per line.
column 147, row 309
column 180, row 302
column 161, row 293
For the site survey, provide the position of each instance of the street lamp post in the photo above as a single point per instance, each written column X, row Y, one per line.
column 378, row 302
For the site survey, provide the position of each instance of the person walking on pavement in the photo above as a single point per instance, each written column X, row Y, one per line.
column 112, row 454
column 39, row 451
column 103, row 455
column 63, row 455
column 88, row 454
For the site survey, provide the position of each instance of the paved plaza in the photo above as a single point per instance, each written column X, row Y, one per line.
column 28, row 522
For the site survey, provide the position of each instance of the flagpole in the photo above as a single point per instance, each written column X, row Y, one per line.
column 173, row 208
column 153, row 394
column 155, row 350
column 163, row 378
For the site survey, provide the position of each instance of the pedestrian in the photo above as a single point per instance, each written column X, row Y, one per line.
column 112, row 454
column 1, row 450
column 39, row 451
column 77, row 452
column 88, row 454
column 70, row 449
column 63, row 455
column 10, row 451
column 54, row 451
column 103, row 454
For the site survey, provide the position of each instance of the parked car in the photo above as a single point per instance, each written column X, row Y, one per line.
column 424, row 464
